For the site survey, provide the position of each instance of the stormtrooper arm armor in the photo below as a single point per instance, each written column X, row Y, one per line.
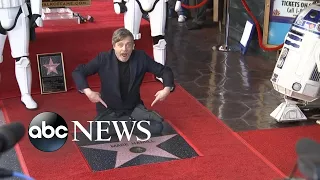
column 36, row 7
column 119, row 6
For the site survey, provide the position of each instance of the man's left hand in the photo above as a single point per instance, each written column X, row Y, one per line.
column 161, row 95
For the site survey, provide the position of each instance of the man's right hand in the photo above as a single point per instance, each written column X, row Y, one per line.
column 94, row 97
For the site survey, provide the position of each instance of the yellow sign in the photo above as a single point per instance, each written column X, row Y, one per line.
column 65, row 3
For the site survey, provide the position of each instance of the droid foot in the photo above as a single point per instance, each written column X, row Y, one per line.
column 288, row 111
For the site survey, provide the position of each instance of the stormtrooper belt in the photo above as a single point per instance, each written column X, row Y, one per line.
column 143, row 11
column 4, row 31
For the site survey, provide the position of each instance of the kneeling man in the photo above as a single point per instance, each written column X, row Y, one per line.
column 121, row 71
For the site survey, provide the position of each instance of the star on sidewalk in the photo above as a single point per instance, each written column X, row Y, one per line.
column 51, row 67
column 128, row 150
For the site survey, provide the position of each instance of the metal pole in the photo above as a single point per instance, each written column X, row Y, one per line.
column 227, row 22
column 225, row 47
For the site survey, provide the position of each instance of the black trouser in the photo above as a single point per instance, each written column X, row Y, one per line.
column 201, row 15
column 139, row 113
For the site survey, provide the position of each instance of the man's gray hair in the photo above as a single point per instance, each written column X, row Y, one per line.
column 121, row 34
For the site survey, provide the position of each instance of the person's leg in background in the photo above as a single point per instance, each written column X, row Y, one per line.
column 170, row 9
column 199, row 19
column 183, row 12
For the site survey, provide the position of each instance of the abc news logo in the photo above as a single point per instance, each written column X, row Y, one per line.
column 48, row 131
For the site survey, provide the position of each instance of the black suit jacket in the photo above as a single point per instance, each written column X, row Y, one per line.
column 106, row 65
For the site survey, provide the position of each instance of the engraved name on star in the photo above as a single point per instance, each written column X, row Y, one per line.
column 124, row 153
column 51, row 67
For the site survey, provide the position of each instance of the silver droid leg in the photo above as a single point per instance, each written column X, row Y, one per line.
column 288, row 111
column 158, row 25
column 132, row 18
column 19, row 43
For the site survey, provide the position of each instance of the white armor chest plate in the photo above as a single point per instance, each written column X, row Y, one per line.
column 147, row 4
column 11, row 3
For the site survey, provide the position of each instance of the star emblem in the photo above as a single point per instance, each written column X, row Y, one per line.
column 51, row 67
column 128, row 150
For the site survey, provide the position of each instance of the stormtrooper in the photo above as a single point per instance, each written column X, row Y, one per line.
column 16, row 18
column 157, row 11
column 297, row 72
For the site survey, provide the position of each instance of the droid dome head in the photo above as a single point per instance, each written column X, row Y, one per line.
column 309, row 14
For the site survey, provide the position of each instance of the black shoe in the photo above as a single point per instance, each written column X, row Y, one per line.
column 194, row 26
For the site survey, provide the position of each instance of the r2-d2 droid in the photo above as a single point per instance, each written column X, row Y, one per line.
column 297, row 72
